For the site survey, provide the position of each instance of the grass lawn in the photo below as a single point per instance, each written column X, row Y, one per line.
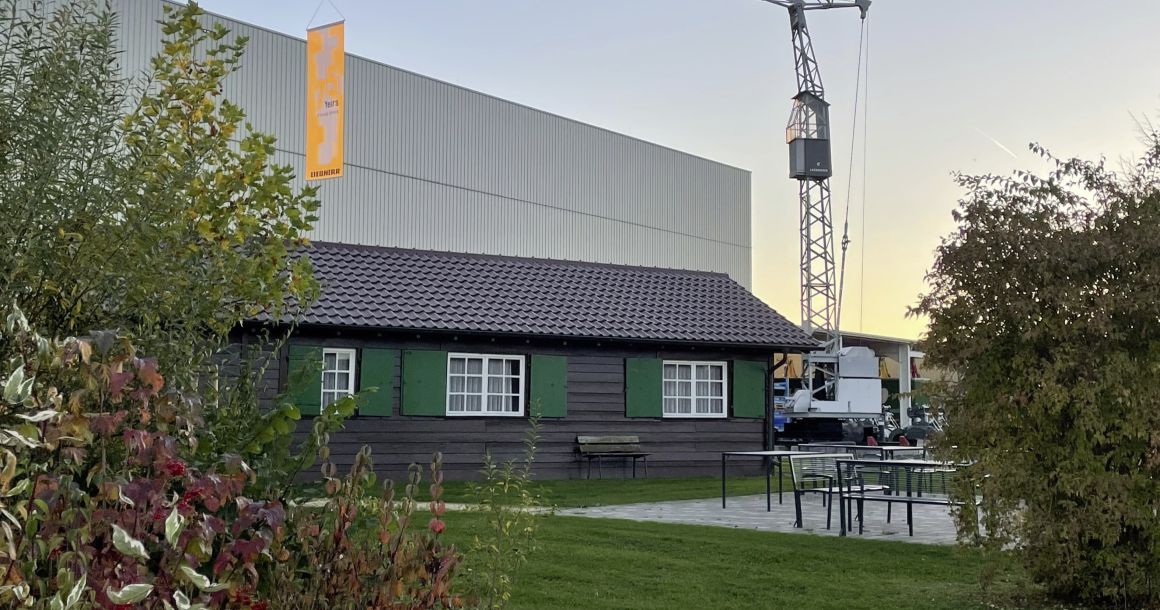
column 601, row 492
column 603, row 563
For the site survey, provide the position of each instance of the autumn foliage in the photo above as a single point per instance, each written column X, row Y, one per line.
column 1045, row 306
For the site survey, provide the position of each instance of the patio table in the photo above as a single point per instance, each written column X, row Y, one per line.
column 769, row 459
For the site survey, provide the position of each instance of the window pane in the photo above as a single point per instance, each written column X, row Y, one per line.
column 703, row 405
column 343, row 362
column 495, row 385
column 329, row 360
column 670, row 371
column 514, row 386
column 458, row 384
column 342, row 382
column 495, row 366
column 456, row 403
column 684, row 388
column 328, row 381
column 703, row 371
column 670, row 405
column 717, row 405
column 684, row 371
column 514, row 404
column 475, row 385
column 670, row 388
column 703, row 388
column 717, row 389
column 716, row 372
column 495, row 403
column 684, row 405
column 513, row 367
column 475, row 366
column 474, row 403
column 457, row 365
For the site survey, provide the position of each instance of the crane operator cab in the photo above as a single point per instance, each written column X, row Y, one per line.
column 808, row 136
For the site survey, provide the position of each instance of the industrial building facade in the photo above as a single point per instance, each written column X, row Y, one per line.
column 435, row 166
column 617, row 299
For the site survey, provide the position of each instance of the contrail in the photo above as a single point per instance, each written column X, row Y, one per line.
column 996, row 142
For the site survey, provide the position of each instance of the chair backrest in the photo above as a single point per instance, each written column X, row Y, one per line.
column 902, row 440
column 871, row 441
column 819, row 470
column 824, row 448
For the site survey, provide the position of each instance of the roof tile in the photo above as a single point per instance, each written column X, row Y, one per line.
column 395, row 288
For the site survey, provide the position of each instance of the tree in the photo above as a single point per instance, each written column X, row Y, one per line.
column 1045, row 303
column 146, row 204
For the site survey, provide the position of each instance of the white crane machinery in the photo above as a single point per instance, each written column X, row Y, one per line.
column 838, row 383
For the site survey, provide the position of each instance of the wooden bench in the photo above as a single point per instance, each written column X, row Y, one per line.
column 599, row 448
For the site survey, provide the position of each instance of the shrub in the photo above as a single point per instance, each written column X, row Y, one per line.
column 358, row 547
column 512, row 509
column 1045, row 304
column 99, row 505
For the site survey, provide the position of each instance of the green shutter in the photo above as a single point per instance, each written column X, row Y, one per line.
column 642, row 387
column 377, row 370
column 549, row 397
column 304, row 378
column 748, row 388
column 424, row 383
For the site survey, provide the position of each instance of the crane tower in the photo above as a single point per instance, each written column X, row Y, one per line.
column 837, row 382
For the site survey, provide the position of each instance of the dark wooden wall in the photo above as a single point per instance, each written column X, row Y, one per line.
column 596, row 405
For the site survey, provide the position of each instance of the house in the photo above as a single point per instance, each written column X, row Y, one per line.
column 465, row 347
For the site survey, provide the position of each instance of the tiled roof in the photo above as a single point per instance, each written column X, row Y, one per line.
column 400, row 289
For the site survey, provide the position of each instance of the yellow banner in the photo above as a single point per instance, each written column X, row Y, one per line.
column 324, row 101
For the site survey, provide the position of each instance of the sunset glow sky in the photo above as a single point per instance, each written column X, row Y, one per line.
column 953, row 86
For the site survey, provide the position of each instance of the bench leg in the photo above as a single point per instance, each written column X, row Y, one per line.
column 910, row 517
column 589, row 468
column 634, row 468
column 889, row 504
column 861, row 516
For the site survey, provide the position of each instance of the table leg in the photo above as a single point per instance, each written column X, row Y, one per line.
column 842, row 512
column 780, row 478
column 768, row 491
column 723, row 456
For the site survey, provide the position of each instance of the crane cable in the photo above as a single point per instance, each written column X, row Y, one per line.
column 862, row 42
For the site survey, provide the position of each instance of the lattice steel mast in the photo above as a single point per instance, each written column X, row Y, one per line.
column 808, row 136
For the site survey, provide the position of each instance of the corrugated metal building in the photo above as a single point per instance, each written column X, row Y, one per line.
column 434, row 166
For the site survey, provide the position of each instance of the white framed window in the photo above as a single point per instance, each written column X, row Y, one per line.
column 485, row 384
column 694, row 389
column 338, row 366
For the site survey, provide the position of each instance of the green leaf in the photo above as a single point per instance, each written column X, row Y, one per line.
column 12, row 386
column 74, row 595
column 202, row 582
column 129, row 594
column 128, row 545
column 174, row 523
column 183, row 603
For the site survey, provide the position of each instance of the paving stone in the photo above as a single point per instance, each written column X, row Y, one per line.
column 932, row 524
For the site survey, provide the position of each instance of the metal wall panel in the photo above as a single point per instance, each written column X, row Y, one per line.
column 435, row 166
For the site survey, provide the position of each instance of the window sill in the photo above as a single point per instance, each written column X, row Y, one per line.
column 695, row 416
column 473, row 414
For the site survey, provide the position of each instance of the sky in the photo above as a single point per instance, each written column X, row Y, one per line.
column 952, row 86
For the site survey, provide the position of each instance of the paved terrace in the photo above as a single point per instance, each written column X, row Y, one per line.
column 932, row 524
